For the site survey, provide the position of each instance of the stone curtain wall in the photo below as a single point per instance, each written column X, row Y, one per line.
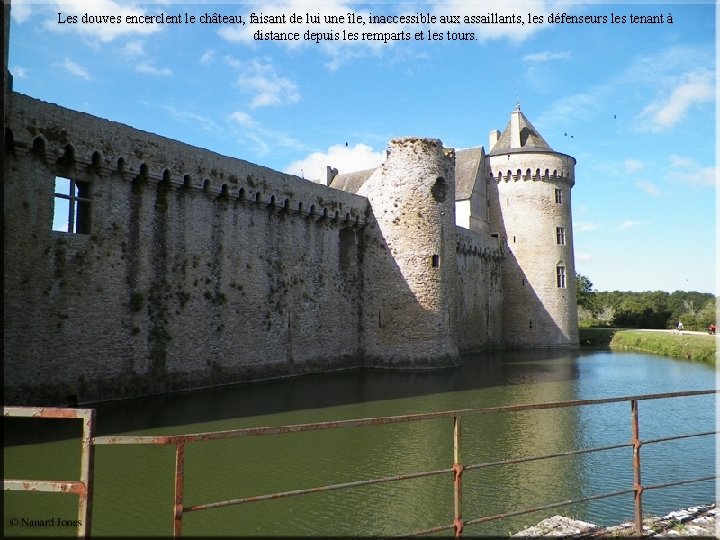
column 198, row 269
column 479, row 302
column 194, row 269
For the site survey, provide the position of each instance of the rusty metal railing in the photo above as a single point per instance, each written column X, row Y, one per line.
column 458, row 469
column 83, row 488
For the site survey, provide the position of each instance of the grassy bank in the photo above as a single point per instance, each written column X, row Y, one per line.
column 694, row 347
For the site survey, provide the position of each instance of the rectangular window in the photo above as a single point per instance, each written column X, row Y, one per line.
column 561, row 277
column 71, row 212
column 560, row 234
column 558, row 196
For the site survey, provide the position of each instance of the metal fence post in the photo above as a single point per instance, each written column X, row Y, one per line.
column 87, row 462
column 179, row 489
column 637, row 484
column 457, row 476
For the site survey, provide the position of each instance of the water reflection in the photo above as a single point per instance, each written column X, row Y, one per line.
column 134, row 485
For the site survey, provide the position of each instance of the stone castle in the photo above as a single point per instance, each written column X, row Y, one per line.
column 181, row 268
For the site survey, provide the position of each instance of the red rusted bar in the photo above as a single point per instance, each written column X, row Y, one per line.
column 83, row 488
column 333, row 487
column 457, row 477
column 179, row 489
column 676, row 437
column 87, row 461
column 515, row 461
column 680, row 482
column 496, row 517
column 547, row 507
column 382, row 420
column 46, row 412
column 57, row 486
column 637, row 484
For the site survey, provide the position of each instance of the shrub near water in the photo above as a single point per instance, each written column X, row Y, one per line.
column 694, row 347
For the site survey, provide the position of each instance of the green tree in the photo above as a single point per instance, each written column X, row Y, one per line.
column 586, row 295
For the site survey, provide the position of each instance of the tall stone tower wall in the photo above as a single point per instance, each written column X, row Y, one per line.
column 410, row 268
column 531, row 210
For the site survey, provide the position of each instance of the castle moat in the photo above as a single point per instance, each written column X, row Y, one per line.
column 134, row 484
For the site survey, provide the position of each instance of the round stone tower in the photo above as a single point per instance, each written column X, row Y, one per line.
column 410, row 267
column 531, row 211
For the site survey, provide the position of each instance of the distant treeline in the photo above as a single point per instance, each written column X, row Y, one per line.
column 650, row 309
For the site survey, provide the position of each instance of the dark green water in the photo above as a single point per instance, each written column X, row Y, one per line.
column 134, row 484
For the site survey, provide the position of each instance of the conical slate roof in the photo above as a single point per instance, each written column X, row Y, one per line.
column 519, row 135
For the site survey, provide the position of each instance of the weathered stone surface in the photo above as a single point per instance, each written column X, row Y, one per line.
column 699, row 521
column 559, row 526
column 193, row 269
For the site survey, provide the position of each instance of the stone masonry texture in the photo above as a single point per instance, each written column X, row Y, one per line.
column 190, row 269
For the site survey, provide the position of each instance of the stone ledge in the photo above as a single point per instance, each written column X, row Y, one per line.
column 698, row 521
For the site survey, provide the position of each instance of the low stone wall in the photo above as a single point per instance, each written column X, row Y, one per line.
column 693, row 521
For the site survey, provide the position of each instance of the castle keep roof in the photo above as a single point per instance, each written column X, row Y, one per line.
column 467, row 164
column 351, row 182
column 519, row 136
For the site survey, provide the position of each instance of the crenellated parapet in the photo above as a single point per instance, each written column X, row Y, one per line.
column 538, row 167
column 478, row 245
column 70, row 142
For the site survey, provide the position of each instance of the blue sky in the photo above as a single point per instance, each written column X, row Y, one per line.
column 633, row 103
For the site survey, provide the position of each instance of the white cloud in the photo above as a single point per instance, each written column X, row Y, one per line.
column 687, row 171
column 134, row 48
column 666, row 111
column 343, row 158
column 583, row 257
column 648, row 187
column 75, row 69
column 208, row 56
column 149, row 69
column 21, row 10
column 632, row 165
column 679, row 75
column 546, row 56
column 190, row 118
column 680, row 161
column 262, row 139
column 629, row 224
column 243, row 119
column 572, row 109
column 582, row 226
column 104, row 32
column 263, row 83
column 19, row 72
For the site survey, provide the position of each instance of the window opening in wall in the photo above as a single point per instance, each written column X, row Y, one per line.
column 530, row 326
column 513, row 239
column 560, row 234
column 558, row 196
column 435, row 261
column 439, row 189
column 561, row 277
column 71, row 212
